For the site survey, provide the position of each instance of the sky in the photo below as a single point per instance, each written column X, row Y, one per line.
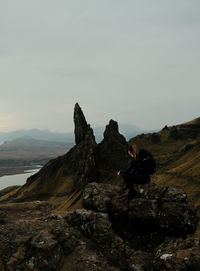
column 134, row 61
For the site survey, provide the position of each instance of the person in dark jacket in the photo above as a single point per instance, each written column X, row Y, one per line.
column 130, row 171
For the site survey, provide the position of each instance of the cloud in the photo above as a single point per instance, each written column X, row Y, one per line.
column 7, row 121
column 115, row 58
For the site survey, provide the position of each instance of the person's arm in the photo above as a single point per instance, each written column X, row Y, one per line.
column 130, row 166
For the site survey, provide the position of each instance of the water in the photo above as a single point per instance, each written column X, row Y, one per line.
column 17, row 179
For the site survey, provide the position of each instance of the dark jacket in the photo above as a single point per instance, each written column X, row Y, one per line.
column 131, row 167
column 135, row 172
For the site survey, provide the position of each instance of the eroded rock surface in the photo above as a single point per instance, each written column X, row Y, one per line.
column 81, row 127
column 167, row 209
column 178, row 255
column 111, row 233
column 113, row 150
column 35, row 238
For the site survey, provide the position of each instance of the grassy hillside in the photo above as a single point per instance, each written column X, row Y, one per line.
column 177, row 160
column 177, row 154
column 27, row 148
column 19, row 153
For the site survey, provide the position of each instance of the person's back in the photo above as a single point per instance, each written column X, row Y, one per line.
column 140, row 176
column 141, row 166
column 129, row 173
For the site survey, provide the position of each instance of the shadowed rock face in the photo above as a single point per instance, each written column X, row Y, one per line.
column 79, row 162
column 93, row 159
column 113, row 150
column 86, row 162
column 81, row 127
column 145, row 221
column 33, row 236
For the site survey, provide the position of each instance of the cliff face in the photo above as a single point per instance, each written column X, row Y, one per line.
column 86, row 162
column 112, row 234
column 112, row 151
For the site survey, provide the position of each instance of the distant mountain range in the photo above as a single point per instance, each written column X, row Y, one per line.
column 127, row 130
column 37, row 134
column 29, row 149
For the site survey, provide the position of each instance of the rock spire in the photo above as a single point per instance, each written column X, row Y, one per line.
column 81, row 126
column 113, row 149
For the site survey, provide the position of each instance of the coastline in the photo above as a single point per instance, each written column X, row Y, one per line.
column 13, row 170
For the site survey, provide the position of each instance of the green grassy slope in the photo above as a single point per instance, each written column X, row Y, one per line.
column 177, row 158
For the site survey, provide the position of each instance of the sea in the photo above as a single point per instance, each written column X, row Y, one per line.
column 17, row 179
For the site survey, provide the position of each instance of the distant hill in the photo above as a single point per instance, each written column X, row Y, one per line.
column 28, row 148
column 126, row 129
column 37, row 134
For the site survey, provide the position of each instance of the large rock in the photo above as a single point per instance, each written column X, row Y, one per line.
column 80, row 161
column 97, row 197
column 83, row 240
column 84, row 157
column 119, row 235
column 98, row 228
column 156, row 212
column 26, row 242
column 96, row 161
column 113, row 150
column 81, row 127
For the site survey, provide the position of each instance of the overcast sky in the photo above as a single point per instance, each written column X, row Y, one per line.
column 135, row 61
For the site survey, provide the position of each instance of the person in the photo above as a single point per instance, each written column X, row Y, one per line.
column 129, row 172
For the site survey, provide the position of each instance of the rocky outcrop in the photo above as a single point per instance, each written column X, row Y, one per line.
column 83, row 155
column 81, row 127
column 146, row 220
column 86, row 162
column 98, row 228
column 113, row 150
column 33, row 236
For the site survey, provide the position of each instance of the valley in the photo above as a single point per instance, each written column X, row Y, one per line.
column 20, row 154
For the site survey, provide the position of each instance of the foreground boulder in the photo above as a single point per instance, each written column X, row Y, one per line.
column 166, row 209
column 155, row 213
column 33, row 237
column 111, row 233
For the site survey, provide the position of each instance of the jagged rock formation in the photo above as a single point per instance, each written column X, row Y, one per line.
column 82, row 157
column 81, row 127
column 86, row 162
column 112, row 151
column 35, row 237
